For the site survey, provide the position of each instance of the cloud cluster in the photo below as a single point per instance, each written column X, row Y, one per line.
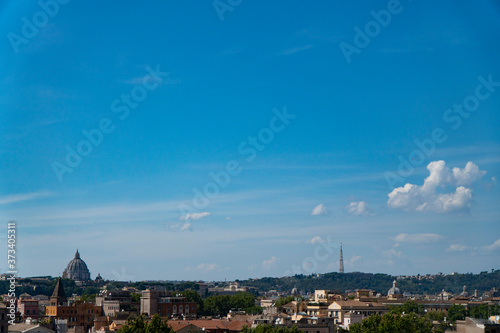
column 319, row 210
column 194, row 216
column 427, row 197
column 359, row 208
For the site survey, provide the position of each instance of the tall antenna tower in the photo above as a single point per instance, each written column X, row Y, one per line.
column 341, row 268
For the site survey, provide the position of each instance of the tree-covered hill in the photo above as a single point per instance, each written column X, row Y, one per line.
column 380, row 282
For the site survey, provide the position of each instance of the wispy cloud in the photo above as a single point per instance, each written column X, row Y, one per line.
column 353, row 259
column 204, row 267
column 294, row 50
column 23, row 197
column 418, row 238
column 194, row 216
column 494, row 246
column 270, row 263
column 180, row 227
column 319, row 210
column 457, row 248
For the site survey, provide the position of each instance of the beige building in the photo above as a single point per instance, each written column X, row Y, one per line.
column 471, row 325
column 339, row 309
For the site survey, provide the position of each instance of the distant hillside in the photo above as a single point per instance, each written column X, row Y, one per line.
column 379, row 282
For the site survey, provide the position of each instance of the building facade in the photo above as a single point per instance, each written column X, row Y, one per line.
column 166, row 305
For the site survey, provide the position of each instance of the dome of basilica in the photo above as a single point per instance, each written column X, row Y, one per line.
column 77, row 269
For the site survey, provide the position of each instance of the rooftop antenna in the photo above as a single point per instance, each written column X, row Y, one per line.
column 341, row 266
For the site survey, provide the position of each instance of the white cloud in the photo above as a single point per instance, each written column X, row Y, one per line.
column 22, row 197
column 457, row 248
column 359, row 208
column 180, row 226
column 425, row 198
column 194, row 216
column 315, row 240
column 205, row 267
column 270, row 263
column 417, row 238
column 319, row 210
column 494, row 246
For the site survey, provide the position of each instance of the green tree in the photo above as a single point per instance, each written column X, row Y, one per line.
column 456, row 312
column 136, row 297
column 484, row 311
column 219, row 305
column 436, row 315
column 393, row 323
column 254, row 310
column 193, row 296
column 408, row 307
column 283, row 300
column 139, row 325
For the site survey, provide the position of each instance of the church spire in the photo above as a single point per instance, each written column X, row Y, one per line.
column 77, row 254
column 58, row 297
column 341, row 266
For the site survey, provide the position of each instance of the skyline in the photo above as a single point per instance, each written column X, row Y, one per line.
column 188, row 141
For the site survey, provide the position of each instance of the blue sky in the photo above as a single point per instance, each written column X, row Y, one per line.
column 317, row 142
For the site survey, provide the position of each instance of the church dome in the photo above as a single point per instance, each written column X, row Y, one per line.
column 394, row 290
column 77, row 269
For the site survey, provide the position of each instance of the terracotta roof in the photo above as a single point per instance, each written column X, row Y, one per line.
column 210, row 324
column 21, row 327
column 352, row 303
column 178, row 325
column 237, row 325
